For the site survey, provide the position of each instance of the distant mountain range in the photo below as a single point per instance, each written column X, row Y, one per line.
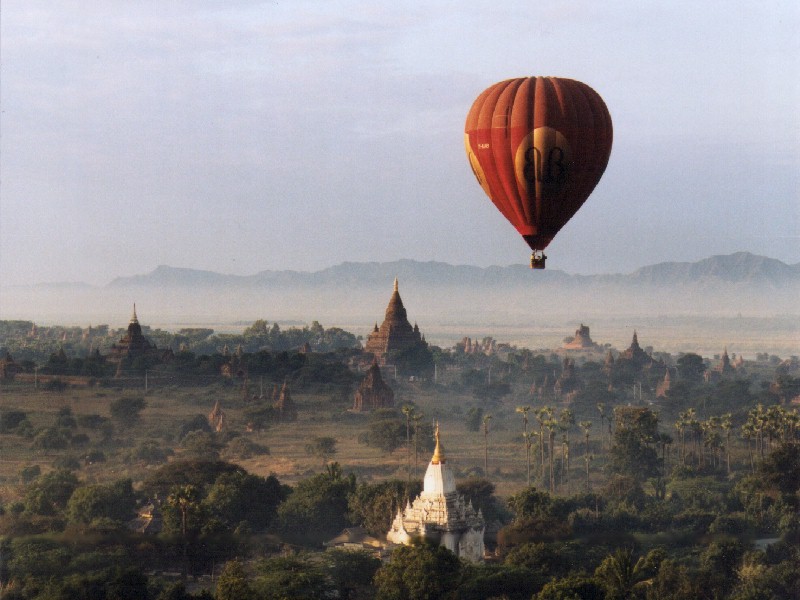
column 740, row 298
column 738, row 268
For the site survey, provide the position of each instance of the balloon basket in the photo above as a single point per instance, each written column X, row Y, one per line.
column 537, row 260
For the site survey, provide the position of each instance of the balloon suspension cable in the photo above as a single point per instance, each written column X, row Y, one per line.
column 538, row 259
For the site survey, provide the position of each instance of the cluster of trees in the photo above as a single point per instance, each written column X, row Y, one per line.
column 694, row 539
column 75, row 351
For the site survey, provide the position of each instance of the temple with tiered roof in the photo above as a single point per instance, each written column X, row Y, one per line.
column 132, row 345
column 395, row 333
column 441, row 514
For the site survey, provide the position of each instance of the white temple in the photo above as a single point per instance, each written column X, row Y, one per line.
column 440, row 514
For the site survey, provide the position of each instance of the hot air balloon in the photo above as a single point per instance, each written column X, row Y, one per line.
column 538, row 147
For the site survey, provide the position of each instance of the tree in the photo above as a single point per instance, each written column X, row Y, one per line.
column 422, row 571
column 322, row 447
column 114, row 501
column 186, row 500
column 233, row 583
column 384, row 433
column 524, row 410
column 351, row 572
column 50, row 494
column 691, row 367
column 480, row 492
column 474, row 418
column 586, row 427
column 486, row 419
column 408, row 411
column 295, row 577
column 240, row 497
column 373, row 506
column 127, row 411
column 620, row 573
column 632, row 453
column 317, row 508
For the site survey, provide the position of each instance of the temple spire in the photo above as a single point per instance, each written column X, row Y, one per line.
column 395, row 285
column 134, row 319
column 438, row 452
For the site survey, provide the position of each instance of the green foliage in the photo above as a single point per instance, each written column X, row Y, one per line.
column 577, row 586
column 479, row 582
column 151, row 452
column 28, row 474
column 114, row 501
column 423, row 571
column 691, row 367
column 323, row 447
column 291, row 578
column 386, row 434
column 50, row 438
column 196, row 423
column 11, row 419
column 632, row 452
column 351, row 572
column 50, row 493
column 373, row 506
column 201, row 445
column 233, row 583
column 317, row 508
column 127, row 411
column 481, row 493
column 474, row 418
column 243, row 448
column 238, row 497
column 200, row 473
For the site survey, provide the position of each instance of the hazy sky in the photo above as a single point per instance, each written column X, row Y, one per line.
column 240, row 136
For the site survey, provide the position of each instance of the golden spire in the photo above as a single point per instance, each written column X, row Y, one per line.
column 134, row 319
column 395, row 284
column 438, row 452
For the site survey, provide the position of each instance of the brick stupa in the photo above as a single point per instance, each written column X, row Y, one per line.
column 373, row 393
column 395, row 333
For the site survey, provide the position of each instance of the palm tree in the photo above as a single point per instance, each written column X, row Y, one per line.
column 586, row 426
column 184, row 498
column 417, row 417
column 542, row 416
column 621, row 574
column 602, row 408
column 526, row 438
column 551, row 425
column 408, row 411
column 486, row 419
column 567, row 419
column 524, row 411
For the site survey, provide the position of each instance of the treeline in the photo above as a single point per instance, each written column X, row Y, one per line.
column 263, row 538
column 34, row 345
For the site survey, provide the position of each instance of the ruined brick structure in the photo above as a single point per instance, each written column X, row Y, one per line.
column 395, row 333
column 373, row 393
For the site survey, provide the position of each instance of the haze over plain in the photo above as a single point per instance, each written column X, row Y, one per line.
column 255, row 135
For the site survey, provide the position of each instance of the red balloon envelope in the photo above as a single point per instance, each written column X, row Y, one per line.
column 538, row 146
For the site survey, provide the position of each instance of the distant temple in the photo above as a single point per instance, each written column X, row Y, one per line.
column 724, row 369
column 132, row 345
column 373, row 393
column 581, row 341
column 216, row 418
column 568, row 382
column 284, row 406
column 440, row 514
column 395, row 333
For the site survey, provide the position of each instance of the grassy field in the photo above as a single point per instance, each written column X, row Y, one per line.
column 167, row 409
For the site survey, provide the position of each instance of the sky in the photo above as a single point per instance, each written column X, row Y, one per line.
column 243, row 136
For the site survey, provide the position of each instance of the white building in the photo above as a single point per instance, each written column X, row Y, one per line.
column 440, row 514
